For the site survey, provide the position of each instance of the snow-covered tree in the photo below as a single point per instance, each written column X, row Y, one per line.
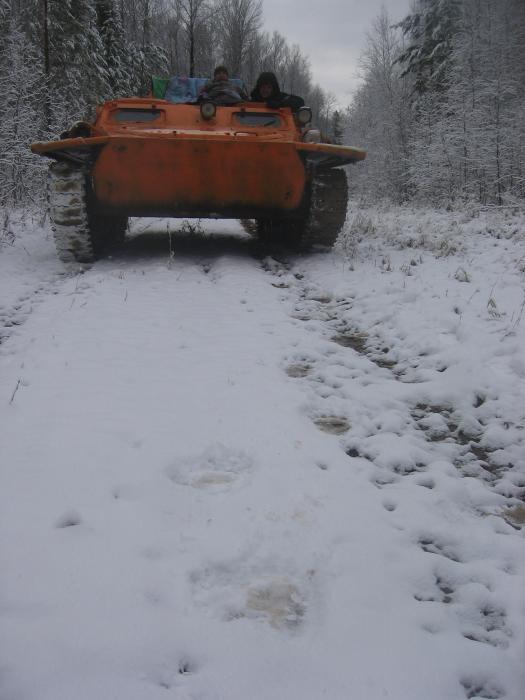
column 442, row 118
column 22, row 85
column 379, row 118
column 430, row 29
column 60, row 58
column 115, row 47
column 336, row 127
column 468, row 139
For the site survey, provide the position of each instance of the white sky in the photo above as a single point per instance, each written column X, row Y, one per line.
column 331, row 33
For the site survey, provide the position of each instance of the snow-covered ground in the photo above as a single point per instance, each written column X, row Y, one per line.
column 231, row 477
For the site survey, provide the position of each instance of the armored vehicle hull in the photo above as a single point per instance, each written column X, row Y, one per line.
column 145, row 157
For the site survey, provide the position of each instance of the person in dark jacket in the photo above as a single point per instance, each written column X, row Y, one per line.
column 267, row 90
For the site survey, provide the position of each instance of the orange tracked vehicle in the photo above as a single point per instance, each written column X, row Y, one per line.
column 150, row 157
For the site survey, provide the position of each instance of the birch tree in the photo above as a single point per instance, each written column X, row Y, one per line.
column 380, row 117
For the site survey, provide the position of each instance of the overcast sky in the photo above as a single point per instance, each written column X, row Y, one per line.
column 331, row 33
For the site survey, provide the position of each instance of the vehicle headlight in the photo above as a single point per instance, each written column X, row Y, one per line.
column 208, row 110
column 304, row 115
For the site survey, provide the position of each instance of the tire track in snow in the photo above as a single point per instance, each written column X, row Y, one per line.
column 240, row 543
column 14, row 315
column 426, row 447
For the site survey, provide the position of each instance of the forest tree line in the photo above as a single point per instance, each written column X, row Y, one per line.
column 441, row 107
column 60, row 58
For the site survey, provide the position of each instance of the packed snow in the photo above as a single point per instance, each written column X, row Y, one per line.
column 229, row 473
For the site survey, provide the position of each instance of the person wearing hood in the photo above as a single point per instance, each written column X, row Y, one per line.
column 267, row 90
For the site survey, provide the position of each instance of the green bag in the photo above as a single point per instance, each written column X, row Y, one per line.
column 158, row 87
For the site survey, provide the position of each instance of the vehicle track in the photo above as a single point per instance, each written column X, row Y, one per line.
column 229, row 501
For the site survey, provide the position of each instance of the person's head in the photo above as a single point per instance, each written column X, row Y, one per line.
column 265, row 91
column 220, row 73
column 267, row 86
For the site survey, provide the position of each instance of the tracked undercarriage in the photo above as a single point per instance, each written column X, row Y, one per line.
column 81, row 234
column 322, row 220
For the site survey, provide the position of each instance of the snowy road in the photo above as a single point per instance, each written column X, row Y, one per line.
column 231, row 477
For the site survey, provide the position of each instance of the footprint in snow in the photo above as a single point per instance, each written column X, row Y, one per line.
column 70, row 518
column 355, row 341
column 515, row 517
column 481, row 688
column 426, row 482
column 277, row 601
column 336, row 425
column 168, row 676
column 434, row 545
column 440, row 590
column 216, row 469
column 235, row 592
column 389, row 505
column 298, row 370
column 382, row 478
column 319, row 296
column 487, row 624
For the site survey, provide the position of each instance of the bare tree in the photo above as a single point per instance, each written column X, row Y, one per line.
column 239, row 22
column 276, row 53
column 193, row 15
column 297, row 76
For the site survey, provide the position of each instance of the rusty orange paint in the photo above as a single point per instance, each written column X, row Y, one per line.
column 43, row 147
column 178, row 163
column 160, row 175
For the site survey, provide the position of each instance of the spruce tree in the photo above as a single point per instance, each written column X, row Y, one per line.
column 337, row 127
column 21, row 86
column 430, row 29
column 109, row 22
